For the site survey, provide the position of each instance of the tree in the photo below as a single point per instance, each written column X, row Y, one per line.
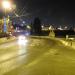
column 37, row 26
column 31, row 30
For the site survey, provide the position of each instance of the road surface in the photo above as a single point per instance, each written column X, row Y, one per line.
column 39, row 56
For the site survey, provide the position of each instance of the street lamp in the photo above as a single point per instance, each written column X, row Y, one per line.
column 6, row 6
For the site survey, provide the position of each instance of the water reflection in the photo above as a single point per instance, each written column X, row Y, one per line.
column 14, row 59
column 22, row 52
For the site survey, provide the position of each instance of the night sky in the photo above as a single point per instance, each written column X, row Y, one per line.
column 49, row 11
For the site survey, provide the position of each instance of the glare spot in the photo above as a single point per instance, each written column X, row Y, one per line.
column 22, row 40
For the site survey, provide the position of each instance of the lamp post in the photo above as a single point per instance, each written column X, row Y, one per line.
column 6, row 6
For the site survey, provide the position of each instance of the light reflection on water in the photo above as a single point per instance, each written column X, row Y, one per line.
column 15, row 59
column 11, row 64
column 22, row 50
column 23, row 53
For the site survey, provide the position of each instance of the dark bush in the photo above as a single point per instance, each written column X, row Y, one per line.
column 3, row 34
column 37, row 26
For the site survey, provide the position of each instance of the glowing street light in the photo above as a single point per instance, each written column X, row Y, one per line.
column 6, row 4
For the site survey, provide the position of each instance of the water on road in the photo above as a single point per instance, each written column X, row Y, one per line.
column 37, row 57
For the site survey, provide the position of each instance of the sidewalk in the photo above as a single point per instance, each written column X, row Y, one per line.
column 5, row 40
column 69, row 43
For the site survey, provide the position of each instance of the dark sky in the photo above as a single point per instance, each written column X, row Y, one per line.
column 50, row 11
